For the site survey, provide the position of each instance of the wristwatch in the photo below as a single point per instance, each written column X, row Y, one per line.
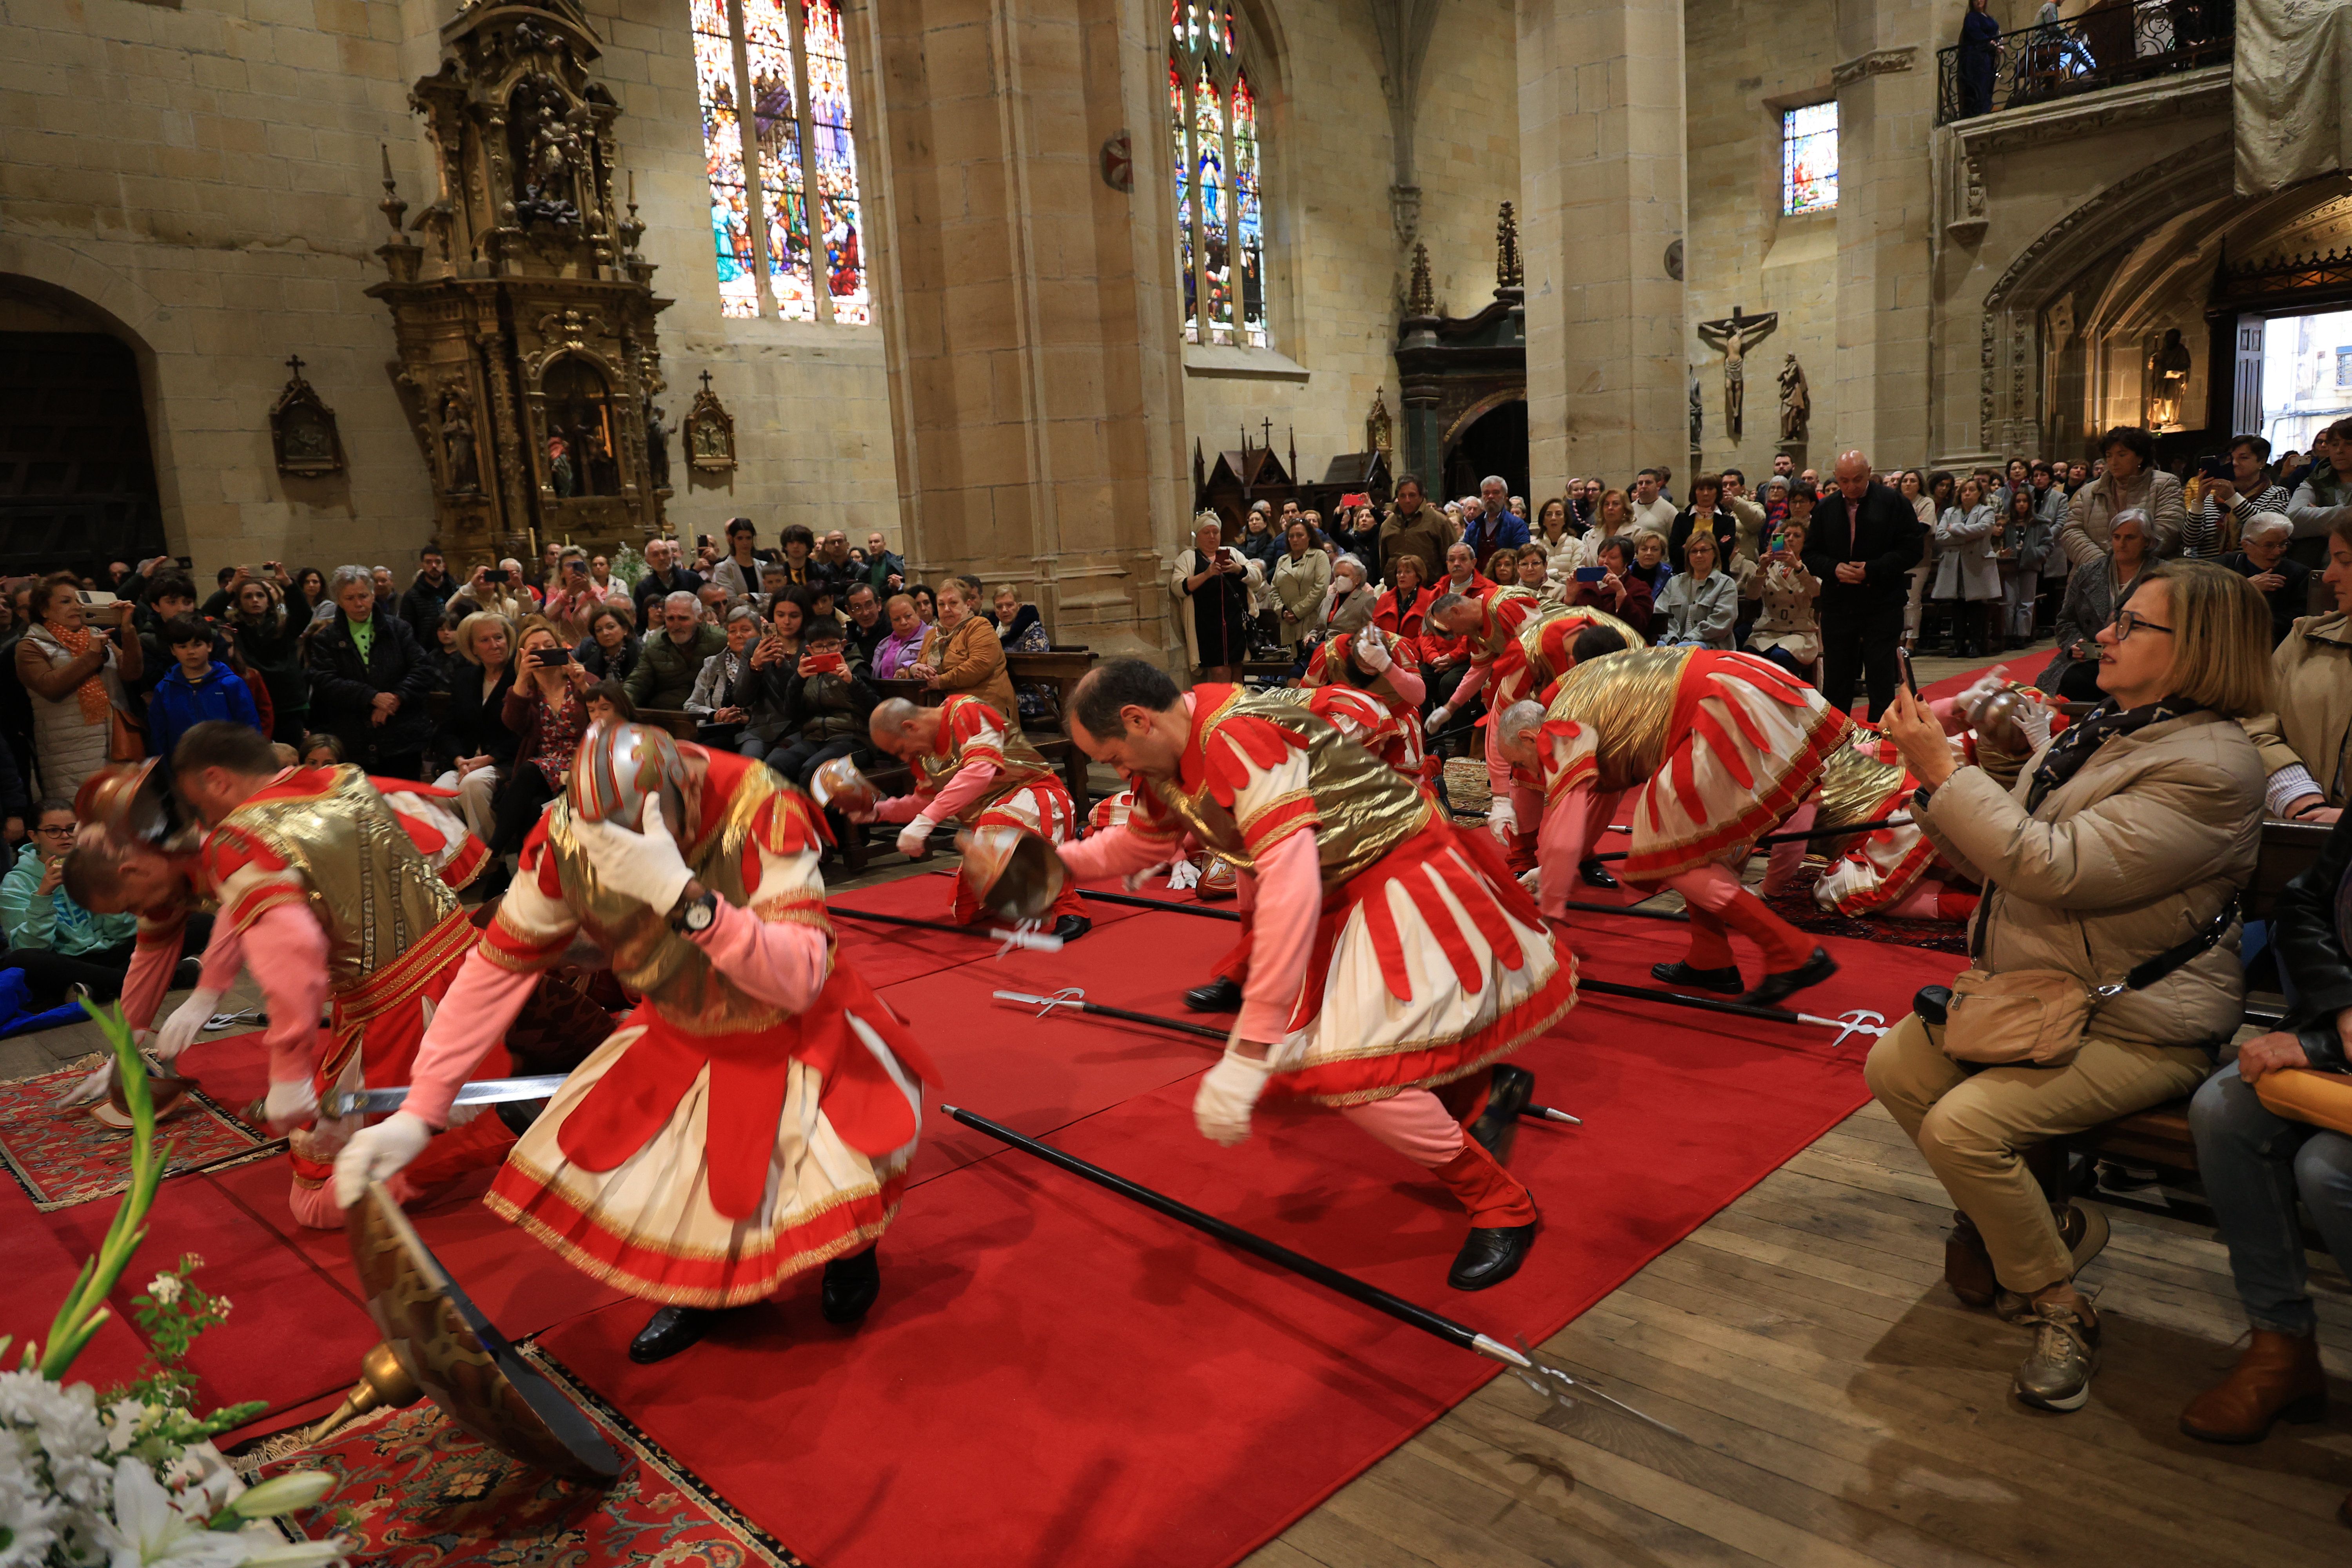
column 694, row 916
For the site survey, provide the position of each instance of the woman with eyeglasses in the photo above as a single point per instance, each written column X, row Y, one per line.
column 55, row 942
column 2093, row 593
column 2124, row 842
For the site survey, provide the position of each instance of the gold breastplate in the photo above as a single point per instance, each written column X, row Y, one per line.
column 648, row 956
column 1627, row 699
column 1531, row 639
column 1022, row 767
column 1853, row 785
column 371, row 890
column 1366, row 809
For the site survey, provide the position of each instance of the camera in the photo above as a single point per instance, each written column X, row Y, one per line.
column 495, row 575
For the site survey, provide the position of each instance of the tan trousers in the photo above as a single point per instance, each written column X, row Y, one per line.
column 1972, row 1124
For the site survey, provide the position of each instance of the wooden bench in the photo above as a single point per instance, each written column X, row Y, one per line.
column 2159, row 1136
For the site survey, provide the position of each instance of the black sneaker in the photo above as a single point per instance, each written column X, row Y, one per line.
column 1725, row 982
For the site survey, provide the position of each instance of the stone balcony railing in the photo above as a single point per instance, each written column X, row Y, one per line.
column 2107, row 47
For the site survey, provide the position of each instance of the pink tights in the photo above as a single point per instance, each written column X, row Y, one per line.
column 1413, row 1124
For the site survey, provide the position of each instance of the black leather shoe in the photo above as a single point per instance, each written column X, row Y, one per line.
column 1595, row 875
column 1508, row 1095
column 1684, row 977
column 669, row 1331
column 851, row 1284
column 1789, row 982
column 1221, row 995
column 1492, row 1254
column 1069, row 928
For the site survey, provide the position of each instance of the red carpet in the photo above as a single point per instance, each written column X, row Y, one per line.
column 1169, row 1401
column 1054, row 1375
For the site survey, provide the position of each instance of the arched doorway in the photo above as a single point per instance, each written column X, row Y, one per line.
column 1491, row 439
column 77, row 479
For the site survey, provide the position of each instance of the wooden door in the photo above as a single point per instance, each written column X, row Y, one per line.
column 76, row 483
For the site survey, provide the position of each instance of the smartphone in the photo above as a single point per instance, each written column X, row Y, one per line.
column 549, row 656
column 495, row 575
column 1910, row 679
column 1777, row 542
column 1590, row 573
column 2214, row 466
column 832, row 663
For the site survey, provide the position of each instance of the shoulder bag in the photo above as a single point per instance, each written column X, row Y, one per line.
column 2036, row 1017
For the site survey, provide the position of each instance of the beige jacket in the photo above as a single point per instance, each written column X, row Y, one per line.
column 2091, row 514
column 2135, row 854
column 2311, row 675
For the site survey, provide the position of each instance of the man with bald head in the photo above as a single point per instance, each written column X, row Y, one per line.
column 1864, row 540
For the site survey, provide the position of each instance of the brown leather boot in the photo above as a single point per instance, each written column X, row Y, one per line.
column 2277, row 1377
column 1967, row 1264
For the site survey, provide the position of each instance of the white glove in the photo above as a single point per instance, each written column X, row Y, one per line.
column 645, row 865
column 186, row 1022
column 1501, row 818
column 915, row 838
column 292, row 1102
column 378, row 1154
column 1438, row 716
column 2034, row 722
column 92, row 1088
column 1221, row 1109
column 1374, row 649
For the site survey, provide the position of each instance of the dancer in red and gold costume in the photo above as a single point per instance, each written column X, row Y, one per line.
column 1489, row 624
column 1549, row 646
column 1371, row 690
column 326, row 900
column 1717, row 749
column 754, row 1117
column 1393, row 962
column 974, row 769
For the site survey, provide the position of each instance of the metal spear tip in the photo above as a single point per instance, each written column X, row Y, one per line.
column 1564, row 1388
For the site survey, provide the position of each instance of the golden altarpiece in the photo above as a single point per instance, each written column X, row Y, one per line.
column 523, row 315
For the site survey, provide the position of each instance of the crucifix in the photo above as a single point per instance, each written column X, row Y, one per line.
column 294, row 364
column 706, row 381
column 1735, row 334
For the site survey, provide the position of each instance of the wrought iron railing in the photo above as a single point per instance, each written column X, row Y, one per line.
column 2104, row 47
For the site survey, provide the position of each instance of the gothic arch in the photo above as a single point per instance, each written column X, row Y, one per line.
column 128, row 311
column 2009, row 415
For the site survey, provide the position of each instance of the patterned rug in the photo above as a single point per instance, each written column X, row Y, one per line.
column 414, row 1491
column 1928, row 936
column 64, row 1157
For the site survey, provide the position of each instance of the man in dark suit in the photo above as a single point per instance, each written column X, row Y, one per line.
column 1865, row 538
column 368, row 679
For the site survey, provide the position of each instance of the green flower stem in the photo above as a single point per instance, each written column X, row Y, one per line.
column 84, row 1310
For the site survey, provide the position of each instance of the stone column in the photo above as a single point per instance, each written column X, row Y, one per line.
column 1029, row 305
column 1601, row 194
column 1887, row 108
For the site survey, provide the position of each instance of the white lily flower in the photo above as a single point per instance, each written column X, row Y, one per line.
column 272, row 1550
column 147, row 1530
column 284, row 1494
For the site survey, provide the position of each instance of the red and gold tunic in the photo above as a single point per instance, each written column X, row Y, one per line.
column 734, row 1130
column 1719, row 747
column 981, row 773
column 326, row 842
column 1426, row 960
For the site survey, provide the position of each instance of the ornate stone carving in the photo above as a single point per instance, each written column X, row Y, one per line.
column 1508, row 272
column 1405, row 212
column 1878, row 62
column 303, row 428
column 1118, row 163
column 709, row 432
column 1420, row 298
column 528, row 353
column 1379, row 431
column 1970, row 225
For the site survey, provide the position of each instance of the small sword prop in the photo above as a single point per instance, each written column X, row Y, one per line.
column 1035, row 942
column 481, row 1091
column 1854, row 1021
column 1555, row 1383
column 1072, row 997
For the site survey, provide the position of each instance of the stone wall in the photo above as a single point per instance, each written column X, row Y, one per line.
column 1743, row 62
column 1339, row 273
column 205, row 177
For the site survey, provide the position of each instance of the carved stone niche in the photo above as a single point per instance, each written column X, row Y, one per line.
column 302, row 432
column 525, row 322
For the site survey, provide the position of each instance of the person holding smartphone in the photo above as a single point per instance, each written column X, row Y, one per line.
column 78, row 678
column 547, row 708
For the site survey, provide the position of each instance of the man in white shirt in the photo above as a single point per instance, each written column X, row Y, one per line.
column 1652, row 512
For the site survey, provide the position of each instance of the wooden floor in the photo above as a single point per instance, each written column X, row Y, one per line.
column 1848, row 1410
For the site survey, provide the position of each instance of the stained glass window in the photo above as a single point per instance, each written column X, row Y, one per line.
column 722, row 151
column 1212, row 113
column 1809, row 158
column 835, row 156
column 786, row 61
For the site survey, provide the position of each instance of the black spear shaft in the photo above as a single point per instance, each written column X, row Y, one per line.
column 1159, row 904
column 1850, row 827
column 1231, row 1235
column 1648, row 994
column 1627, row 910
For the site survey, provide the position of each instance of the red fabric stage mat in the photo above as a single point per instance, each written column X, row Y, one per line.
column 1057, row 1376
